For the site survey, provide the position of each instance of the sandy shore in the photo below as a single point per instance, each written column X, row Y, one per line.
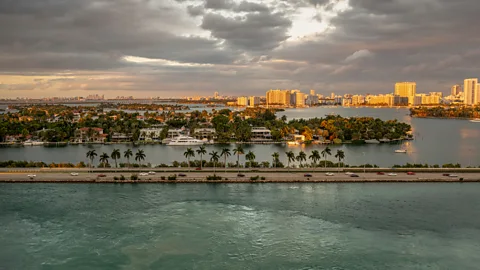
column 231, row 177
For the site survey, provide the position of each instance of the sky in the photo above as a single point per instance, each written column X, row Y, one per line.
column 176, row 48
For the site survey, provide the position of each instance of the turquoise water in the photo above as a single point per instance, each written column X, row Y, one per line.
column 240, row 226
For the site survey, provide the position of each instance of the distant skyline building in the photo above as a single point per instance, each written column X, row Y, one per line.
column 299, row 99
column 456, row 89
column 278, row 97
column 242, row 101
column 253, row 101
column 471, row 91
column 215, row 95
column 406, row 89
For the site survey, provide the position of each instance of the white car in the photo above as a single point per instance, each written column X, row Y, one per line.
column 143, row 174
column 453, row 175
column 151, row 172
column 392, row 174
column 74, row 174
column 32, row 175
column 349, row 173
column 329, row 174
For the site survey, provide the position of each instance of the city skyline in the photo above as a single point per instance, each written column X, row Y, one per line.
column 237, row 48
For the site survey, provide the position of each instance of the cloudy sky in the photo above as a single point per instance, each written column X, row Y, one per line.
column 237, row 47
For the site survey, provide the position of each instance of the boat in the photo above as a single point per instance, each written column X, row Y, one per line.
column 293, row 143
column 401, row 151
column 384, row 140
column 32, row 143
column 372, row 141
column 185, row 140
column 476, row 120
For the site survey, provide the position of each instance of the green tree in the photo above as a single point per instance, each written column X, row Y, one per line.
column 91, row 156
column 326, row 152
column 250, row 156
column 104, row 159
column 291, row 158
column 128, row 154
column 238, row 151
column 225, row 153
column 115, row 155
column 188, row 154
column 315, row 156
column 341, row 156
column 140, row 156
column 275, row 156
column 301, row 157
column 201, row 151
column 214, row 158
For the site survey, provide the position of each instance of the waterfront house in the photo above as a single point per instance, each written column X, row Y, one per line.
column 121, row 137
column 88, row 134
column 204, row 133
column 261, row 134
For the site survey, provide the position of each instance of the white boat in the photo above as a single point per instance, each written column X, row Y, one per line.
column 401, row 151
column 293, row 143
column 476, row 120
column 185, row 140
column 32, row 143
column 372, row 141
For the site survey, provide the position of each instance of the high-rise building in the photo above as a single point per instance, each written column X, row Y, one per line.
column 471, row 91
column 312, row 92
column 278, row 97
column 242, row 101
column 456, row 89
column 215, row 95
column 253, row 101
column 406, row 89
column 299, row 99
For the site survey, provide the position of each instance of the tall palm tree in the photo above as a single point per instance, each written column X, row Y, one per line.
column 201, row 151
column 238, row 151
column 115, row 155
column 188, row 154
column 291, row 158
column 275, row 156
column 140, row 156
column 225, row 153
column 91, row 156
column 315, row 156
column 214, row 158
column 250, row 156
column 341, row 156
column 104, row 159
column 326, row 152
column 301, row 157
column 128, row 154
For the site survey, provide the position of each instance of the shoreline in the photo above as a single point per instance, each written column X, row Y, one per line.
column 231, row 177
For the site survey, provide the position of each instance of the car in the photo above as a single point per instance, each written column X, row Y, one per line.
column 74, row 174
column 380, row 173
column 410, row 173
column 329, row 174
column 349, row 173
column 446, row 174
column 151, row 172
column 101, row 175
column 453, row 175
column 182, row 175
column 354, row 175
column 307, row 175
column 143, row 174
column 392, row 174
column 198, row 169
column 240, row 175
column 32, row 175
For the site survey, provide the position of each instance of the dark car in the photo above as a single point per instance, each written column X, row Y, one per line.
column 101, row 175
column 240, row 175
column 307, row 175
column 182, row 175
column 446, row 174
column 198, row 169
column 380, row 173
column 410, row 173
column 354, row 175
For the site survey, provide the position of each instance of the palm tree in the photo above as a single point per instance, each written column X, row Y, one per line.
column 91, row 156
column 275, row 156
column 115, row 155
column 188, row 154
column 140, row 156
column 250, row 156
column 301, row 157
column 340, row 155
column 127, row 154
column 315, row 156
column 214, row 158
column 201, row 151
column 225, row 153
column 291, row 158
column 104, row 159
column 326, row 152
column 238, row 151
